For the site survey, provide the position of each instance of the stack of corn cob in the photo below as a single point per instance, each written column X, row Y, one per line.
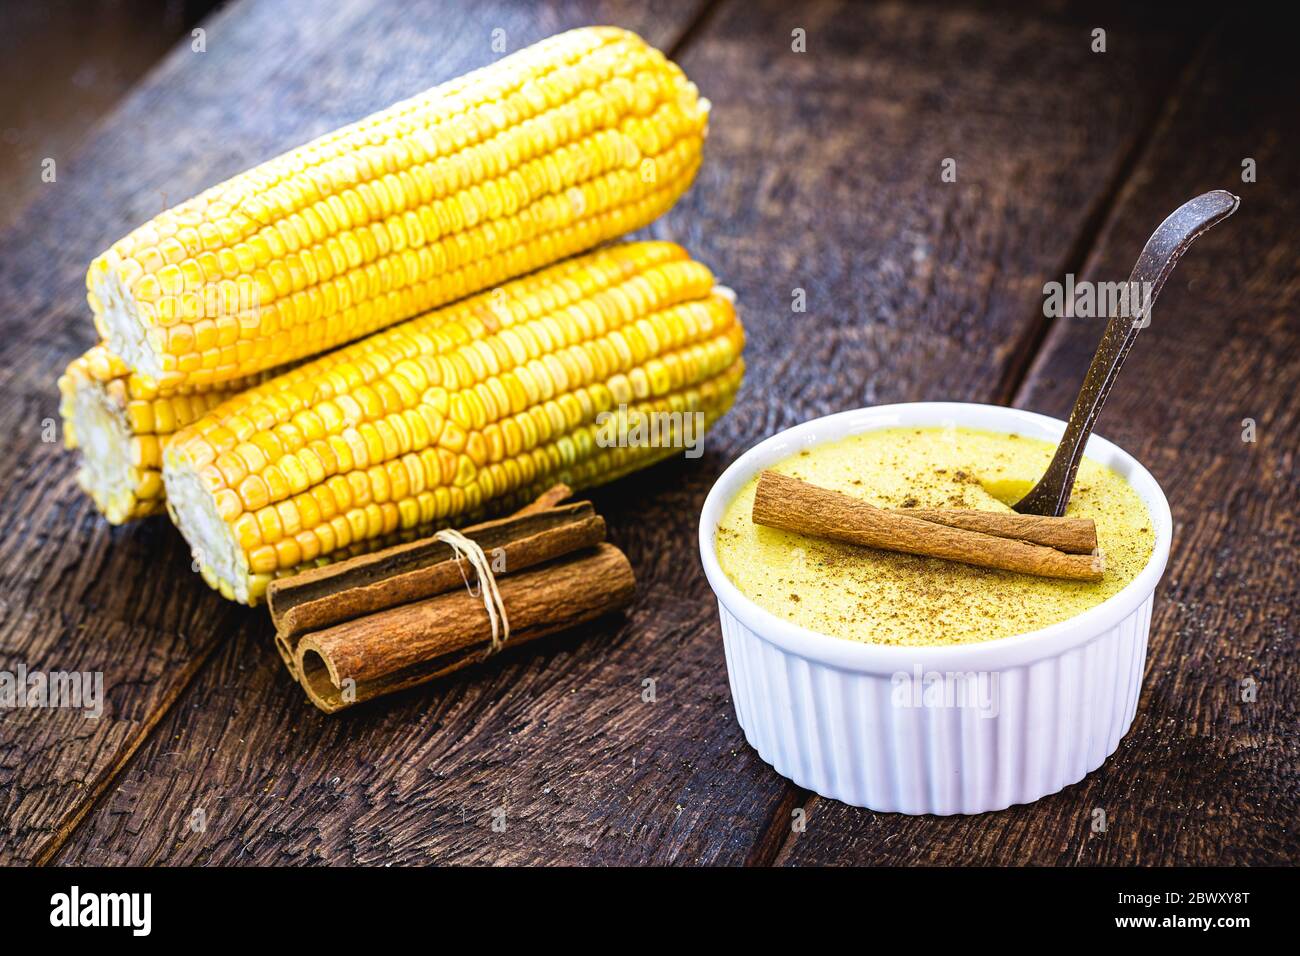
column 461, row 406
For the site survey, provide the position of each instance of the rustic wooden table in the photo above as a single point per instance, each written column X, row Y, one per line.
column 822, row 173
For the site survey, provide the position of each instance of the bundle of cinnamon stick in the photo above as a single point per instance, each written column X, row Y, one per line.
column 1029, row 544
column 382, row 622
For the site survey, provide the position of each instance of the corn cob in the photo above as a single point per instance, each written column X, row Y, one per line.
column 568, row 143
column 120, row 422
column 428, row 422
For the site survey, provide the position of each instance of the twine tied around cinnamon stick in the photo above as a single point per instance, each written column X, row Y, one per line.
column 487, row 583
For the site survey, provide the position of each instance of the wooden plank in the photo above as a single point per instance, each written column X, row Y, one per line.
column 823, row 173
column 88, row 54
column 1203, row 778
column 273, row 75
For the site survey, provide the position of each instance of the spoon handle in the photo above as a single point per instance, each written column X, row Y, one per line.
column 1157, row 261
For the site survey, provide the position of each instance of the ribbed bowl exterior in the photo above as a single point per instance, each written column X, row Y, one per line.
column 850, row 736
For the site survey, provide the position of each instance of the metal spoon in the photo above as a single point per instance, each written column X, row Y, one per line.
column 1157, row 261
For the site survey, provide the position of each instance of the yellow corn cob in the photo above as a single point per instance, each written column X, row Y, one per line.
column 550, row 151
column 120, row 423
column 423, row 424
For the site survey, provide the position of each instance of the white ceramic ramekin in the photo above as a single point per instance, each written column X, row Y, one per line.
column 851, row 720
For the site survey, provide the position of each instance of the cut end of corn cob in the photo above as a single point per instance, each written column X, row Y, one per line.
column 95, row 421
column 119, row 423
column 474, row 406
column 552, row 150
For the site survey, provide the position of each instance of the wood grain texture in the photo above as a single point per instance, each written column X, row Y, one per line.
column 822, row 172
column 824, row 175
column 274, row 74
column 1203, row 777
column 87, row 55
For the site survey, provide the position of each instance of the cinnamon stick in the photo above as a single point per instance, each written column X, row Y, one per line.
column 369, row 583
column 1071, row 535
column 285, row 650
column 546, row 500
column 414, row 643
column 794, row 505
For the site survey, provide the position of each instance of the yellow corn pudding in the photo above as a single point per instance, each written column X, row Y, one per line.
column 861, row 594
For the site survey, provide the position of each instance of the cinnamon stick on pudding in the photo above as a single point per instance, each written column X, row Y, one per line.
column 1071, row 535
column 781, row 501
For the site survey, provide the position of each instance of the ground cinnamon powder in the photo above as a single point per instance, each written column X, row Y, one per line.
column 875, row 596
